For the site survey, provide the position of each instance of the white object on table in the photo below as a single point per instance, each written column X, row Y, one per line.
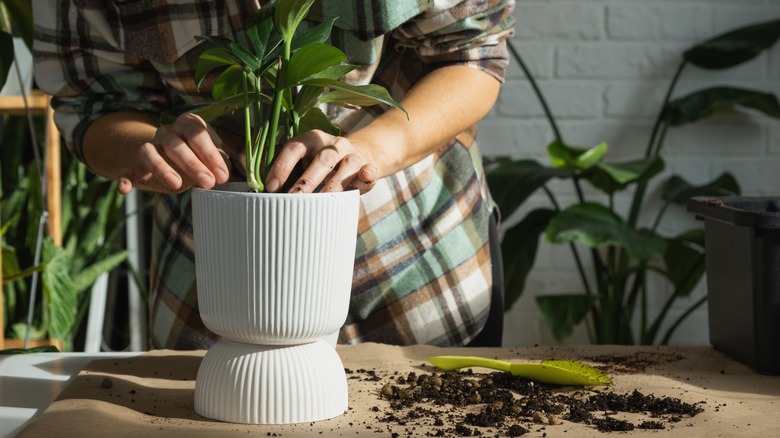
column 30, row 382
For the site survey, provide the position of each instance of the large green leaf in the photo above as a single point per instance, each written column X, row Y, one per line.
column 573, row 158
column 211, row 111
column 307, row 95
column 87, row 277
column 210, row 59
column 229, row 83
column 734, row 47
column 684, row 259
column 702, row 103
column 594, row 225
column 244, row 57
column 313, row 35
column 563, row 312
column 6, row 56
column 612, row 177
column 518, row 252
column 288, row 15
column 260, row 36
column 59, row 294
column 677, row 190
column 308, row 61
column 363, row 95
column 513, row 181
column 381, row 96
column 316, row 119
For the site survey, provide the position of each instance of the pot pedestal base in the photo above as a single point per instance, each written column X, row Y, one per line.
column 261, row 384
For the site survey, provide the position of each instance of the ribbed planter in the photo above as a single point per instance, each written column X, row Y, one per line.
column 245, row 383
column 272, row 270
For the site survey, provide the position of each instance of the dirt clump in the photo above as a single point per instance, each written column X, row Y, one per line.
column 499, row 404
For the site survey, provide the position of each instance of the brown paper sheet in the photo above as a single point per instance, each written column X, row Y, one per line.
column 152, row 394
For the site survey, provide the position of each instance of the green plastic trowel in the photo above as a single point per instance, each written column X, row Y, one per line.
column 556, row 372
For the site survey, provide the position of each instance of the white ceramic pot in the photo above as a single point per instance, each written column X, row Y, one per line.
column 274, row 269
column 244, row 383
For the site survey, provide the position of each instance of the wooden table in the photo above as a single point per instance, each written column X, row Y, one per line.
column 152, row 395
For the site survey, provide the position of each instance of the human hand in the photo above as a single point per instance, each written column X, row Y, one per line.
column 180, row 154
column 335, row 162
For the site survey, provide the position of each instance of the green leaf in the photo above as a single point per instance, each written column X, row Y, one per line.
column 59, row 294
column 211, row 111
column 563, row 312
column 232, row 48
column 87, row 277
column 364, row 95
column 317, row 34
column 518, row 252
column 259, row 34
column 684, row 260
column 229, row 83
column 594, row 225
column 703, row 103
column 678, row 191
column 21, row 15
column 36, row 333
column 288, row 15
column 210, row 59
column 308, row 61
column 42, row 349
column 381, row 96
column 512, row 182
column 568, row 157
column 6, row 56
column 613, row 177
column 316, row 119
column 734, row 47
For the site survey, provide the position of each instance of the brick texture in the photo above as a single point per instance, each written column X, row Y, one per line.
column 604, row 66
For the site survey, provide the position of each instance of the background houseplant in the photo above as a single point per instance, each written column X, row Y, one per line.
column 624, row 253
column 91, row 221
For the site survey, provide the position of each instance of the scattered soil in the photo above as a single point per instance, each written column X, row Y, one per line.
column 499, row 404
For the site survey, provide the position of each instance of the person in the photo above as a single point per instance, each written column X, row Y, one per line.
column 427, row 268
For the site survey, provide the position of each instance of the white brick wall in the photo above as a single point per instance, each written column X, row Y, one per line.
column 604, row 66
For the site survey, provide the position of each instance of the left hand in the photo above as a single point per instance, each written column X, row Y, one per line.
column 335, row 162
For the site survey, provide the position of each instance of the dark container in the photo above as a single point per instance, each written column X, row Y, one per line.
column 742, row 241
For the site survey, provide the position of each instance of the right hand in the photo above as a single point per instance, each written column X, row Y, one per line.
column 180, row 155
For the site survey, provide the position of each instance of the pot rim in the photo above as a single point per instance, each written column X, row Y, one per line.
column 238, row 188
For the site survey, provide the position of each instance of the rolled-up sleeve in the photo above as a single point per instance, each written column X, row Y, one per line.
column 78, row 62
column 462, row 32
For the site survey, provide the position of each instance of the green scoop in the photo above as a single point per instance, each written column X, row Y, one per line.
column 557, row 372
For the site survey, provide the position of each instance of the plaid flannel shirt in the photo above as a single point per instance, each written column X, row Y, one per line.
column 422, row 268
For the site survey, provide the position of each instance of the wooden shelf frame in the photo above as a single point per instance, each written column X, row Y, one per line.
column 40, row 105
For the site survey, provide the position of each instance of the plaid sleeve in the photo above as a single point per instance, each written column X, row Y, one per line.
column 472, row 33
column 78, row 62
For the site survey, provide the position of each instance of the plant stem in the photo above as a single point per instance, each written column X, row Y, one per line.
column 682, row 317
column 251, row 153
column 277, row 105
column 639, row 195
column 537, row 91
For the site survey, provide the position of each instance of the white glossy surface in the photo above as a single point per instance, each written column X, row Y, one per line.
column 244, row 383
column 30, row 382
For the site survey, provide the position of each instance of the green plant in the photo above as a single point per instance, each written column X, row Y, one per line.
column 623, row 252
column 279, row 77
column 92, row 220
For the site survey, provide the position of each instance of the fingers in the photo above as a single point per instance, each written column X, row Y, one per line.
column 332, row 163
column 178, row 155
